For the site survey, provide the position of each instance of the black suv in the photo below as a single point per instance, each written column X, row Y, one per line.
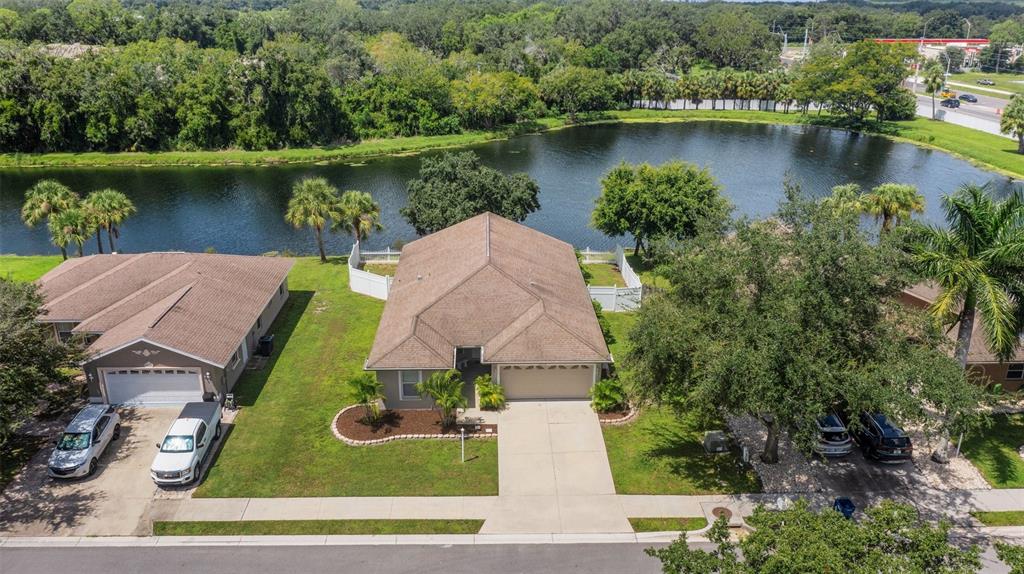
column 950, row 103
column 882, row 440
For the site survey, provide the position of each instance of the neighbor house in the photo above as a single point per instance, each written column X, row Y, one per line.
column 164, row 328
column 489, row 296
column 980, row 359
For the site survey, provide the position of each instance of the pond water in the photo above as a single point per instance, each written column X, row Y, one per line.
column 240, row 209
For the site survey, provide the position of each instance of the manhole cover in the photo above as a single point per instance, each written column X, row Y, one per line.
column 720, row 511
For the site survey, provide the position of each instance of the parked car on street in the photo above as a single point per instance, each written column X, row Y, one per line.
column 950, row 103
column 83, row 441
column 985, row 82
column 833, row 437
column 882, row 440
column 186, row 444
column 968, row 98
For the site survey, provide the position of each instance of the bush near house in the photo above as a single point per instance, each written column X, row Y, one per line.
column 608, row 395
column 492, row 395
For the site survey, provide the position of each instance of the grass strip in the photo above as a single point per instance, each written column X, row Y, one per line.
column 313, row 527
column 1001, row 518
column 668, row 524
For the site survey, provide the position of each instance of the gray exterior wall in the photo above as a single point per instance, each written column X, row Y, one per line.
column 215, row 379
column 393, row 400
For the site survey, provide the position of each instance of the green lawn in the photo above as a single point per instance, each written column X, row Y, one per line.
column 314, row 527
column 981, row 148
column 994, row 451
column 27, row 268
column 1005, row 82
column 668, row 524
column 381, row 268
column 619, row 324
column 661, row 453
column 282, row 445
column 1003, row 518
column 603, row 275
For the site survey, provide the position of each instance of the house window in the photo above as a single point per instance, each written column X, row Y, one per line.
column 259, row 322
column 234, row 360
column 409, row 380
column 280, row 289
column 1015, row 371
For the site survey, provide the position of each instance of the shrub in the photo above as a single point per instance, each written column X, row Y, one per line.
column 608, row 395
column 367, row 391
column 492, row 395
column 446, row 390
column 606, row 330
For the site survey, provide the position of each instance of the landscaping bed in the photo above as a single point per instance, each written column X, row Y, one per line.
column 616, row 417
column 314, row 527
column 419, row 423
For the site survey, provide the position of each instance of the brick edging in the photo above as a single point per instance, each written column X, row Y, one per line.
column 371, row 442
column 624, row 420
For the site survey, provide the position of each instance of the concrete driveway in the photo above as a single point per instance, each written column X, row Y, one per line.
column 114, row 501
column 553, row 473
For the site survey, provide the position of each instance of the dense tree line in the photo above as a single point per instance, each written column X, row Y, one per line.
column 320, row 72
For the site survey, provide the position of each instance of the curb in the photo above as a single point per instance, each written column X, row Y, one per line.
column 346, row 540
column 371, row 442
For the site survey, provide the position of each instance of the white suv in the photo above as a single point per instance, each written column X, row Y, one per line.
column 186, row 444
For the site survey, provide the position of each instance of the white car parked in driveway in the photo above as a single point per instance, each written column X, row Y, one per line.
column 186, row 444
column 83, row 441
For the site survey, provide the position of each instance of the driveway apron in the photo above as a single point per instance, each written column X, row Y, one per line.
column 553, row 472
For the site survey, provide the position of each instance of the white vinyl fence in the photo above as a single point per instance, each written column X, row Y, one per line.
column 615, row 298
column 359, row 281
column 612, row 298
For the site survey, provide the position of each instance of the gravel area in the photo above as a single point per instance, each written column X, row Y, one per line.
column 796, row 473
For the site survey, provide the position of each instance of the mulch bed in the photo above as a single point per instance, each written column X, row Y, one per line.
column 351, row 424
column 613, row 416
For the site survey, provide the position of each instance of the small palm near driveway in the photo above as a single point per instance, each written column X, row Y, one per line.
column 553, row 472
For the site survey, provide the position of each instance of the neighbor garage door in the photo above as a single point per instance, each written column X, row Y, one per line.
column 153, row 386
column 547, row 382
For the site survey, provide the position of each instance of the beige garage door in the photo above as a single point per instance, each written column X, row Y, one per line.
column 547, row 382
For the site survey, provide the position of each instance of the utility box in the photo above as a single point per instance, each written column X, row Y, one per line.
column 716, row 442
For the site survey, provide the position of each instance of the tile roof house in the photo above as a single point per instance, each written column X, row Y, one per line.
column 1009, row 374
column 164, row 328
column 488, row 295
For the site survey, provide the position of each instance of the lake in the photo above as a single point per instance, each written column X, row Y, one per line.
column 240, row 209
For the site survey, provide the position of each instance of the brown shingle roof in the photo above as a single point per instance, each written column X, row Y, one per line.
column 487, row 282
column 927, row 293
column 196, row 303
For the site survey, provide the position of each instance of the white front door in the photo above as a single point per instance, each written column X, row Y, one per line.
column 153, row 386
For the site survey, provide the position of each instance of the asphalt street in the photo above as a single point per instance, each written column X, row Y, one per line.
column 496, row 559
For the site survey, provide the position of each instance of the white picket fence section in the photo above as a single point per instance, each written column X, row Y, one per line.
column 364, row 282
column 612, row 298
column 615, row 298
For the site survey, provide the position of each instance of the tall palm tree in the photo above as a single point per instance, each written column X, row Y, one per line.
column 68, row 227
column 358, row 214
column 46, row 198
column 934, row 79
column 313, row 203
column 110, row 208
column 978, row 263
column 892, row 203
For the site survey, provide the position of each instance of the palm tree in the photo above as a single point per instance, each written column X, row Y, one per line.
column 358, row 214
column 67, row 227
column 313, row 203
column 110, row 208
column 934, row 79
column 446, row 390
column 46, row 198
column 844, row 199
column 978, row 263
column 367, row 391
column 892, row 203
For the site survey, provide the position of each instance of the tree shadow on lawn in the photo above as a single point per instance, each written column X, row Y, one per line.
column 995, row 451
column 251, row 383
column 682, row 455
